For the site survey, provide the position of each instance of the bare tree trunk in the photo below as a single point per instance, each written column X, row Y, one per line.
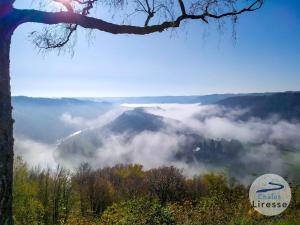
column 6, row 130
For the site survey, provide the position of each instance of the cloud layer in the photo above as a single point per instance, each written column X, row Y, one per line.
column 35, row 153
column 268, row 142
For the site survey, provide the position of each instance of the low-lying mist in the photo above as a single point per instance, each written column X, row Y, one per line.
column 267, row 146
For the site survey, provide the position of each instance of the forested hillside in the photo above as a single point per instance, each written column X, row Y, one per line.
column 285, row 105
column 130, row 195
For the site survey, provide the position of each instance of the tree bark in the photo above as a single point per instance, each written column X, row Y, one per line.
column 6, row 129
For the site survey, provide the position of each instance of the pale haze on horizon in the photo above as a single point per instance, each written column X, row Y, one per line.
column 191, row 61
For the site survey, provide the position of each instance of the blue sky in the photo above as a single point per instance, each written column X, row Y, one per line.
column 193, row 61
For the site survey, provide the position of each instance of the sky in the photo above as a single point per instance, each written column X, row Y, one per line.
column 195, row 60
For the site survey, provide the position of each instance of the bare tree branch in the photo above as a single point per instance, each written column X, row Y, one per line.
column 94, row 23
column 47, row 40
column 182, row 7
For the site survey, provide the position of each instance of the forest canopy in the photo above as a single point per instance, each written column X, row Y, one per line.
column 130, row 195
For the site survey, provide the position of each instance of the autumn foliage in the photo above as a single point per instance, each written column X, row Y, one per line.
column 130, row 195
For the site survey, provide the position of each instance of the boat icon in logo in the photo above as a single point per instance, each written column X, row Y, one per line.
column 275, row 188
